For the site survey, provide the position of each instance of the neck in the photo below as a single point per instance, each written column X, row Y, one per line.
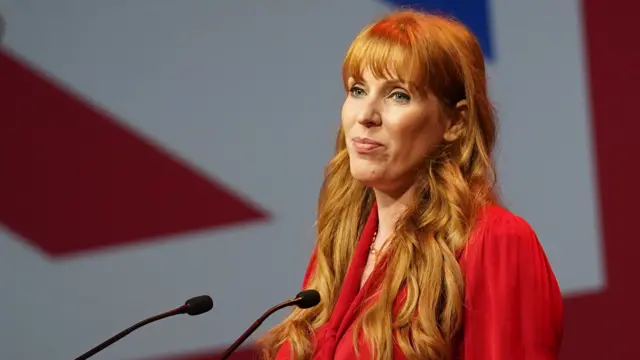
column 390, row 208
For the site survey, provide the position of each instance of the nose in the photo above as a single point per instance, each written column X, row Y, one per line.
column 369, row 116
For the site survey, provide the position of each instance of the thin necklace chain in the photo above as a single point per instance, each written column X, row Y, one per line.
column 372, row 250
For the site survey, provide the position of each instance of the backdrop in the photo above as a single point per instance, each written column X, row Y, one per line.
column 154, row 151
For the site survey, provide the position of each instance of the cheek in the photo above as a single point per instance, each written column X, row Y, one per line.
column 347, row 115
column 413, row 141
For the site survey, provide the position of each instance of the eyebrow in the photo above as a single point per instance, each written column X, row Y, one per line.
column 386, row 83
column 395, row 82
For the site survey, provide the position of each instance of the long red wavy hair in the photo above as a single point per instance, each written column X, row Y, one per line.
column 435, row 54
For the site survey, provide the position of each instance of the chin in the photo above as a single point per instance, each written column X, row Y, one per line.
column 366, row 180
column 368, row 175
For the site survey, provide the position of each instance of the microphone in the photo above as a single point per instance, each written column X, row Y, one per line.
column 304, row 300
column 194, row 306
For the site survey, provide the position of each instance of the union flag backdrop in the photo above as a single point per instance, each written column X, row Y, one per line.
column 153, row 151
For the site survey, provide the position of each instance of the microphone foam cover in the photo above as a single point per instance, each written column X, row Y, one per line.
column 308, row 298
column 199, row 305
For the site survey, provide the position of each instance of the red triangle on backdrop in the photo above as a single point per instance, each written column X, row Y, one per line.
column 74, row 179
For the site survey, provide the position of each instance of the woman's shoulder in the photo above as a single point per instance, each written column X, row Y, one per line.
column 495, row 222
column 513, row 301
column 499, row 231
column 504, row 253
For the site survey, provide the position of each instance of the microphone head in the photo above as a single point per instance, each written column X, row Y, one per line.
column 308, row 298
column 198, row 305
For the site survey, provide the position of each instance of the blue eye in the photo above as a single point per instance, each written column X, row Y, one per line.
column 401, row 96
column 356, row 91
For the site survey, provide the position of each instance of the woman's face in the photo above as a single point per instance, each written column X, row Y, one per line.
column 389, row 131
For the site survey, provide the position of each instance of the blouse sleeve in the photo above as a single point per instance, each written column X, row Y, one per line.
column 513, row 304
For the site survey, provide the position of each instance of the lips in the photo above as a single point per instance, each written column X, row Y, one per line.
column 365, row 145
column 366, row 141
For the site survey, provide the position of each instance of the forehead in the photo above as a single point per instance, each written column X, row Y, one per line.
column 378, row 56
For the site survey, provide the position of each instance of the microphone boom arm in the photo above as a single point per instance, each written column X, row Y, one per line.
column 126, row 332
column 255, row 325
column 194, row 306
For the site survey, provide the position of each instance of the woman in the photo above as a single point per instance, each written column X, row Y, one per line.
column 415, row 259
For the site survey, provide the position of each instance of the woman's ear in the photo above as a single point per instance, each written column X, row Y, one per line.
column 458, row 121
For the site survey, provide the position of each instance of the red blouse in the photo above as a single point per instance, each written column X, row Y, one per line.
column 513, row 305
